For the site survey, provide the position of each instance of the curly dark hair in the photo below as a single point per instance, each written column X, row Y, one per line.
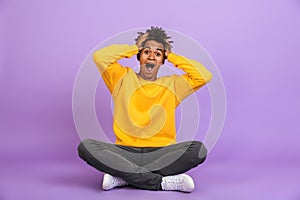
column 157, row 34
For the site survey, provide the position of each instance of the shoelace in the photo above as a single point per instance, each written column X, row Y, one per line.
column 118, row 181
column 175, row 183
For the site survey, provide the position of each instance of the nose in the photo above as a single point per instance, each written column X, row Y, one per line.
column 151, row 56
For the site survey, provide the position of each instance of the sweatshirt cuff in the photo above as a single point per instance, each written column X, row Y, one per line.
column 134, row 48
column 172, row 57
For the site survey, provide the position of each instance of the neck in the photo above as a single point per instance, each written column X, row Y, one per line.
column 145, row 78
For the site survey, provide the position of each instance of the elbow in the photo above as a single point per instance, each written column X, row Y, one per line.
column 97, row 56
column 208, row 77
column 203, row 80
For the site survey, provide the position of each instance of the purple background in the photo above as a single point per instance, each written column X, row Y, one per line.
column 255, row 45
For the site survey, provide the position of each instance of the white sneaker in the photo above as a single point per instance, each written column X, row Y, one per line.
column 181, row 182
column 110, row 182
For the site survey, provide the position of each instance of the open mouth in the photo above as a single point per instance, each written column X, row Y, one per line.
column 149, row 67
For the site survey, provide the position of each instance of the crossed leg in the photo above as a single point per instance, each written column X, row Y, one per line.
column 142, row 167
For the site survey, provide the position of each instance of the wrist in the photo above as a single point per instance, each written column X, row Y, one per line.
column 170, row 56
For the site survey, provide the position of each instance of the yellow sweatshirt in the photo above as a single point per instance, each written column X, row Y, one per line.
column 144, row 111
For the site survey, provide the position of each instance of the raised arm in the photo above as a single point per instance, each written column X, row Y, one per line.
column 196, row 75
column 106, row 62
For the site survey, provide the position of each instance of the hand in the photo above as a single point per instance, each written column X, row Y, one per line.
column 140, row 41
column 167, row 52
column 168, row 48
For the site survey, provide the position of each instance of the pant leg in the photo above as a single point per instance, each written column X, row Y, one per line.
column 112, row 159
column 176, row 159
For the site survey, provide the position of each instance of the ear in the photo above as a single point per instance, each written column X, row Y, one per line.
column 138, row 56
column 164, row 57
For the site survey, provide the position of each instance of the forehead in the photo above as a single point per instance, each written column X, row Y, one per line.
column 154, row 45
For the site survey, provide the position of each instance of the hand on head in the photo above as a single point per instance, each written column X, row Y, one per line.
column 156, row 34
column 141, row 39
column 167, row 48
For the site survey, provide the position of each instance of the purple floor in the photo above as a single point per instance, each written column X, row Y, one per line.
column 75, row 180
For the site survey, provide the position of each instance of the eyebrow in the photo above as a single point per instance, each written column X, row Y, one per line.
column 155, row 49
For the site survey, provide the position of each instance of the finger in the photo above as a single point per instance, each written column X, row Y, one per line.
column 166, row 53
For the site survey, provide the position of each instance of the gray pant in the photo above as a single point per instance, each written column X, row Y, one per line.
column 142, row 167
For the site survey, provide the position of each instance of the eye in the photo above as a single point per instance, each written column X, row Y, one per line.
column 146, row 52
column 157, row 54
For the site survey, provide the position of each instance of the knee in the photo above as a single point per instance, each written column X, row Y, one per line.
column 84, row 144
column 198, row 151
column 201, row 149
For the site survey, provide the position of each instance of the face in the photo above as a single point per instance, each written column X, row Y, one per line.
column 151, row 58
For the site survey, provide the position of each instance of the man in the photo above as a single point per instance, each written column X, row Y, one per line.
column 145, row 154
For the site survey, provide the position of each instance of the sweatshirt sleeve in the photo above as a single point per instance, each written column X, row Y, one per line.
column 196, row 75
column 106, row 62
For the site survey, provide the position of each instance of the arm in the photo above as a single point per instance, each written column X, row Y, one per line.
column 106, row 62
column 196, row 75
